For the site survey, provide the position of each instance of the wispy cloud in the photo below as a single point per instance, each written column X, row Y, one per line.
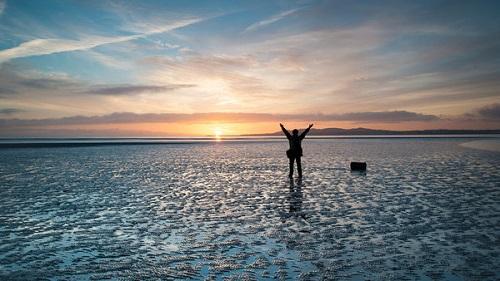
column 15, row 86
column 270, row 20
column 107, row 60
column 2, row 6
column 38, row 47
column 9, row 111
column 122, row 90
column 6, row 92
column 16, row 82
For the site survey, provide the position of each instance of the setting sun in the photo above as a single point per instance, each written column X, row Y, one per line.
column 218, row 133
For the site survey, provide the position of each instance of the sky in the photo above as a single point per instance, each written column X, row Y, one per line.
column 195, row 68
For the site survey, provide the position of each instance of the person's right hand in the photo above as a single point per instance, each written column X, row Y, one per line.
column 310, row 125
column 281, row 125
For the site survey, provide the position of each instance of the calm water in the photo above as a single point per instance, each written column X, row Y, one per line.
column 426, row 209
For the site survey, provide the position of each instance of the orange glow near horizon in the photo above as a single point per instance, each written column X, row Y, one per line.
column 221, row 128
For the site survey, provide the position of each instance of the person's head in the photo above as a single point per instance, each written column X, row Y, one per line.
column 295, row 132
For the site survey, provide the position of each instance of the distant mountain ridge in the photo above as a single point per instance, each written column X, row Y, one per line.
column 371, row 132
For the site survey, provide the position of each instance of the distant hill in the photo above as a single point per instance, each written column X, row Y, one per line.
column 370, row 132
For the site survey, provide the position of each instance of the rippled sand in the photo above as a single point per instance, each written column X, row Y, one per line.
column 426, row 209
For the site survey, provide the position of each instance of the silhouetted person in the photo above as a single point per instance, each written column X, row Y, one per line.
column 295, row 151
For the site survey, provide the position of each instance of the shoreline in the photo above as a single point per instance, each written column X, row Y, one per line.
column 7, row 143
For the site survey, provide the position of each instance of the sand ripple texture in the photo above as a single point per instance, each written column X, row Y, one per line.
column 427, row 209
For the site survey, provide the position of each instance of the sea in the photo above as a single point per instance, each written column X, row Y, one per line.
column 426, row 208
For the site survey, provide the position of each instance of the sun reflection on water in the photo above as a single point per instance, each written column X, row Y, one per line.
column 218, row 134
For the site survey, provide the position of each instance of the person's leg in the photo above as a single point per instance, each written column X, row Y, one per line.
column 299, row 167
column 291, row 167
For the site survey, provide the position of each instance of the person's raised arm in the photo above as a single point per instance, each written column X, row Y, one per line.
column 303, row 135
column 287, row 134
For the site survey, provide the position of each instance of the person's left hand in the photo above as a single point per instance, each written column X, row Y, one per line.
column 310, row 125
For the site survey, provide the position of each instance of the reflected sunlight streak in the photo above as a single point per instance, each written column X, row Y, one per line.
column 218, row 134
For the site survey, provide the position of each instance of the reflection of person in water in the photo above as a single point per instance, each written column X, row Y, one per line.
column 296, row 200
column 295, row 151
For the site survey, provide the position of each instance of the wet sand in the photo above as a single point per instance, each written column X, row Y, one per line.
column 424, row 210
column 490, row 145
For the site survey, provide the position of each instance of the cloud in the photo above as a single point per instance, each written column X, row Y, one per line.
column 123, row 90
column 38, row 47
column 226, row 117
column 46, row 83
column 223, row 82
column 16, row 82
column 107, row 60
column 2, row 7
column 270, row 20
column 9, row 111
column 4, row 92
column 13, row 82
column 485, row 113
column 385, row 116
column 491, row 111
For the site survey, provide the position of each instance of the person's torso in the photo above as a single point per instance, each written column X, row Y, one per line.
column 295, row 143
